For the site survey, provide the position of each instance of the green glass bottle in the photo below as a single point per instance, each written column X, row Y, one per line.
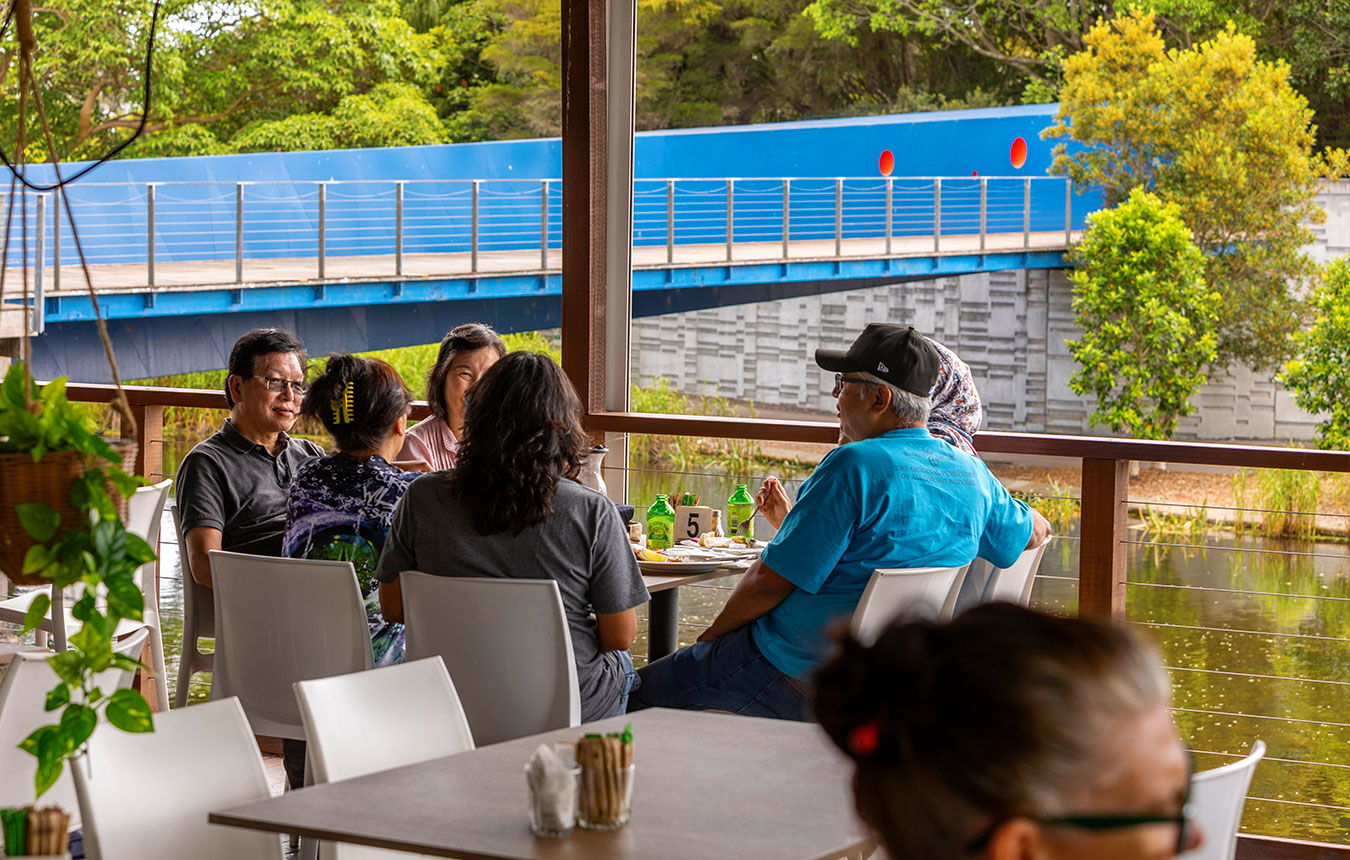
column 660, row 524
column 741, row 509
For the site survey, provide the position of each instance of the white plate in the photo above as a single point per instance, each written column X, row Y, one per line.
column 678, row 568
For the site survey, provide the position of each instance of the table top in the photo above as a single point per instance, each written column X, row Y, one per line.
column 662, row 583
column 707, row 786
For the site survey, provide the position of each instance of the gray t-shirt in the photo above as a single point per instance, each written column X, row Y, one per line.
column 231, row 483
column 582, row 546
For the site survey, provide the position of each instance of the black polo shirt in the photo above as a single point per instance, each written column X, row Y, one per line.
column 231, row 483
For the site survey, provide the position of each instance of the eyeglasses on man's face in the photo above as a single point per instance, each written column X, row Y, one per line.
column 840, row 379
column 278, row 384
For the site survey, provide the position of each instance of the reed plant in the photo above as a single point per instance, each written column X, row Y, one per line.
column 1287, row 498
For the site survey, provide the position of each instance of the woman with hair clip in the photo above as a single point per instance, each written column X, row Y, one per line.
column 341, row 505
column 466, row 352
column 508, row 510
column 1010, row 734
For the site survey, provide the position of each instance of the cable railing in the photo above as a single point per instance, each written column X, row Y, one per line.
column 189, row 233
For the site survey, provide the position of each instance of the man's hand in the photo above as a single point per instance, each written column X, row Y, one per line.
column 773, row 501
column 1040, row 529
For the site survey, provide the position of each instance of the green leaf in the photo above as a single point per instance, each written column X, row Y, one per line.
column 40, row 521
column 51, row 755
column 36, row 559
column 57, row 696
column 54, row 393
column 37, row 612
column 124, row 483
column 85, row 607
column 127, row 664
column 78, row 723
column 125, row 599
column 128, row 710
column 68, row 666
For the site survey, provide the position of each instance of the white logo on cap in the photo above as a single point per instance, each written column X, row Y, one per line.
column 882, row 368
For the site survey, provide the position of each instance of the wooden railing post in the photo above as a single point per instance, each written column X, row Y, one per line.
column 1101, row 560
column 150, row 431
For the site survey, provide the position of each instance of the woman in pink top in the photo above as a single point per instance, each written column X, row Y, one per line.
column 467, row 351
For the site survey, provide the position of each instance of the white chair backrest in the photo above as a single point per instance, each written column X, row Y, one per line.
column 915, row 592
column 145, row 510
column 23, row 698
column 1013, row 584
column 1218, row 796
column 147, row 796
column 385, row 718
column 199, row 605
column 282, row 620
column 507, row 645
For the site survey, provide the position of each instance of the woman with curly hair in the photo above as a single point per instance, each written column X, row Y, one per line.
column 508, row 509
column 1011, row 734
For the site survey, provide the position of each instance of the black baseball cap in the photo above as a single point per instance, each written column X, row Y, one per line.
column 895, row 353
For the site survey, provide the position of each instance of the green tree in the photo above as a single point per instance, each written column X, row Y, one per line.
column 1319, row 373
column 1221, row 134
column 1146, row 314
column 388, row 115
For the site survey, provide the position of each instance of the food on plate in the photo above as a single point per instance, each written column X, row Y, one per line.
column 644, row 554
column 707, row 539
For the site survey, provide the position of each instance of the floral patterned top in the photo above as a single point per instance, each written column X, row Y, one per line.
column 956, row 414
column 340, row 508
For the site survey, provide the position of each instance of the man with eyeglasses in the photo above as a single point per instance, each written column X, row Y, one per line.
column 232, row 487
column 894, row 497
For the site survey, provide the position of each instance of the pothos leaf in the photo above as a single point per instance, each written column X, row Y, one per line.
column 40, row 521
column 128, row 710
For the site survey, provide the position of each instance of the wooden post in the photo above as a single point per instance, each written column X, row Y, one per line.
column 149, row 465
column 1101, row 554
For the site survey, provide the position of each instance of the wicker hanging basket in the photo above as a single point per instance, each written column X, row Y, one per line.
column 47, row 482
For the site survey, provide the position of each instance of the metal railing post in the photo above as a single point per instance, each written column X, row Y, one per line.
column 1026, row 212
column 37, row 320
column 1068, row 210
column 398, row 229
column 731, row 192
column 323, row 221
column 1104, row 530
column 543, row 224
column 984, row 198
column 670, row 220
column 839, row 217
column 937, row 215
column 473, row 228
column 787, row 191
column 56, row 239
column 150, row 234
column 890, row 228
column 239, row 232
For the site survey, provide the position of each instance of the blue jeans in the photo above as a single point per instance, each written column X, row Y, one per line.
column 631, row 681
column 726, row 674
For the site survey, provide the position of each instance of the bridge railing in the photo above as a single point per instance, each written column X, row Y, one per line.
column 210, row 232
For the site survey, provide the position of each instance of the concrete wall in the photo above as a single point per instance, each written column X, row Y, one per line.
column 1010, row 327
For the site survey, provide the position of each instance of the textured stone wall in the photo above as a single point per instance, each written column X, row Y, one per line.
column 1010, row 327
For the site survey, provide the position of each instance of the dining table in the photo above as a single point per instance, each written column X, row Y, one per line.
column 663, row 609
column 706, row 785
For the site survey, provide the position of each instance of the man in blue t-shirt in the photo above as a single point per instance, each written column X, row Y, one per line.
column 894, row 497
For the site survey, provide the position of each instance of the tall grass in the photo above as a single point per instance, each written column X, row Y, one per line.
column 1287, row 497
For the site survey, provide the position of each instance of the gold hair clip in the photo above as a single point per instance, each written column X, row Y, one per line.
column 344, row 407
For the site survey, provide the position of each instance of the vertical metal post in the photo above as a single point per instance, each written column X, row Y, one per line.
column 323, row 222
column 937, row 215
column 890, row 228
column 398, row 229
column 473, row 228
column 1068, row 210
column 731, row 192
column 56, row 238
column 150, row 234
column 787, row 190
column 839, row 217
column 239, row 232
column 543, row 224
column 984, row 208
column 37, row 322
column 1026, row 212
column 670, row 220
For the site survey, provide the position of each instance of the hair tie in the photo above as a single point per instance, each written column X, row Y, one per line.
column 864, row 739
column 344, row 407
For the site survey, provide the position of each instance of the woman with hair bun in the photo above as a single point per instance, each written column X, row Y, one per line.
column 341, row 505
column 1010, row 734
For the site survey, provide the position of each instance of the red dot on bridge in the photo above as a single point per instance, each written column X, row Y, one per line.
column 1019, row 153
column 887, row 162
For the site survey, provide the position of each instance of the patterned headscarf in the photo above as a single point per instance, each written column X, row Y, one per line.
column 956, row 412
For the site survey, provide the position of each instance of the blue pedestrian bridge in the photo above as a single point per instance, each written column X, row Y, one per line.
column 367, row 249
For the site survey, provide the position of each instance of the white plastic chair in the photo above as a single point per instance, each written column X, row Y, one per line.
column 23, row 697
column 1218, row 796
column 1013, row 584
column 507, row 645
column 914, row 592
column 199, row 621
column 282, row 620
column 147, row 796
column 372, row 721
